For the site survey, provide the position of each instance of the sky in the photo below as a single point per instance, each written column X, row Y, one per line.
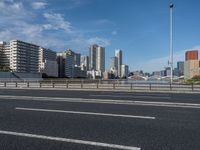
column 140, row 28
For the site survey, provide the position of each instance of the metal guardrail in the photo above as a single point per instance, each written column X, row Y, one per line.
column 114, row 85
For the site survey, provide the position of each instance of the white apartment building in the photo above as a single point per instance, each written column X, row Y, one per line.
column 24, row 57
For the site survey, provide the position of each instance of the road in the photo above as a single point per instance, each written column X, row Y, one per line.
column 93, row 120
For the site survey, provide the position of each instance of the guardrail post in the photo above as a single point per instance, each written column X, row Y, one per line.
column 5, row 84
column 97, row 85
column 150, row 86
column 53, row 85
column 67, row 86
column 170, row 86
column 15, row 84
column 113, row 85
column 81, row 83
column 27, row 84
column 40, row 84
column 192, row 86
column 131, row 86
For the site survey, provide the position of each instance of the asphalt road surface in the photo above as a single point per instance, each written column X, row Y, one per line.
column 95, row 120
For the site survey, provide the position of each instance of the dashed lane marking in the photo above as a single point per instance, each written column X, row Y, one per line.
column 75, row 141
column 84, row 113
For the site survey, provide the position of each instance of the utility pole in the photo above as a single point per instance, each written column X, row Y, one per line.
column 171, row 40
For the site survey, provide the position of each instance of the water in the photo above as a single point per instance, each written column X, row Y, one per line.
column 144, row 82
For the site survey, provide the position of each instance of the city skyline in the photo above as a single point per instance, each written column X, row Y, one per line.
column 139, row 33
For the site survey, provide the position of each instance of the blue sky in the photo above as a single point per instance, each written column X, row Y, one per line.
column 139, row 27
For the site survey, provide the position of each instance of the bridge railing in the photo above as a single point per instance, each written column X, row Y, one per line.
column 100, row 84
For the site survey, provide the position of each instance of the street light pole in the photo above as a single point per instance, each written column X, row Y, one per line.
column 171, row 40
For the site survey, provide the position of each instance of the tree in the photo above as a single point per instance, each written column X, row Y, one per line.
column 196, row 78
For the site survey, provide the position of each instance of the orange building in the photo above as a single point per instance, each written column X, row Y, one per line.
column 191, row 55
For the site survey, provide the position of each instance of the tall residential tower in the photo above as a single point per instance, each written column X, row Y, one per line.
column 96, row 58
column 191, row 65
column 118, row 55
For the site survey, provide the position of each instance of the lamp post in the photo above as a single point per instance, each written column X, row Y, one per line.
column 171, row 41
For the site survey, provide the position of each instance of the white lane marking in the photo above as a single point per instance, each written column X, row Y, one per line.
column 168, row 104
column 84, row 113
column 140, row 94
column 134, row 96
column 103, row 101
column 91, row 143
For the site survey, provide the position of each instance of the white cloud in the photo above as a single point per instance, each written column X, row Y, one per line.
column 100, row 41
column 56, row 21
column 11, row 7
column 17, row 22
column 39, row 5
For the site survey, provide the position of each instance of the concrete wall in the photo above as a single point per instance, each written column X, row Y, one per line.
column 20, row 76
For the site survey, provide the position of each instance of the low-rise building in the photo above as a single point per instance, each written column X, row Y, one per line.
column 94, row 74
column 124, row 71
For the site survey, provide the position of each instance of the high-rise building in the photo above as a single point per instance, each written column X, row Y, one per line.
column 24, row 57
column 180, row 67
column 85, row 63
column 68, row 67
column 77, row 58
column 191, row 65
column 124, row 71
column 1, row 51
column 97, row 58
column 61, row 65
column 4, row 54
column 69, row 63
column 92, row 57
column 114, row 66
column 118, row 55
column 100, row 59
column 47, row 62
